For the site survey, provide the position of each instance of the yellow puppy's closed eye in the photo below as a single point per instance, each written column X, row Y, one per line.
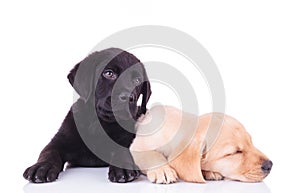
column 237, row 152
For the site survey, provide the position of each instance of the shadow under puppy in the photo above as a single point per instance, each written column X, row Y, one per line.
column 172, row 144
column 100, row 126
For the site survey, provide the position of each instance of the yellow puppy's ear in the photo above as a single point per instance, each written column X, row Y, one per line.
column 188, row 163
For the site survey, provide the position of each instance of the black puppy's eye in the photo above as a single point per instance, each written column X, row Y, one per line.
column 109, row 74
column 136, row 81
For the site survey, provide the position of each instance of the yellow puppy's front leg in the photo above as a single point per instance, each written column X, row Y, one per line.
column 162, row 175
column 155, row 165
column 209, row 175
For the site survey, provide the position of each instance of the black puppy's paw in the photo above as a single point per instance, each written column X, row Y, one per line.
column 41, row 172
column 121, row 175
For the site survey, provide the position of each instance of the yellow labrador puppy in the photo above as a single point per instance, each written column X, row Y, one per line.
column 172, row 144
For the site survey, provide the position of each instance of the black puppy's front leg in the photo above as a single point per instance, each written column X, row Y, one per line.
column 51, row 162
column 47, row 168
column 123, row 168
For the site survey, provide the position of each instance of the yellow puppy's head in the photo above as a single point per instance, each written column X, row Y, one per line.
column 233, row 155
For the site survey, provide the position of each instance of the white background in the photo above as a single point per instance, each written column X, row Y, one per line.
column 255, row 45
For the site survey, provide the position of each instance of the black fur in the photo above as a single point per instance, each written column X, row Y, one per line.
column 85, row 133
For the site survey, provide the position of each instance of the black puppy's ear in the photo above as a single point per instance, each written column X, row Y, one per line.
column 81, row 77
column 146, row 91
column 71, row 75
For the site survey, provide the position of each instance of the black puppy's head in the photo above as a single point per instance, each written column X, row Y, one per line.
column 114, row 80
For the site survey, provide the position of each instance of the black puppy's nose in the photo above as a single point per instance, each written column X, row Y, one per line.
column 125, row 96
column 267, row 166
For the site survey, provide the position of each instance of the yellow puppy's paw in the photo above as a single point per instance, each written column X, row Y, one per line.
column 209, row 175
column 162, row 175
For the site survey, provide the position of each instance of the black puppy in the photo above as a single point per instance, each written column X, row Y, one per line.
column 99, row 127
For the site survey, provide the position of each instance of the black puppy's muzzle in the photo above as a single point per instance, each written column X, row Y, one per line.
column 126, row 97
column 121, row 106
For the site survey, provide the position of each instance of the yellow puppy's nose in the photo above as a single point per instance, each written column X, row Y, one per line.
column 267, row 166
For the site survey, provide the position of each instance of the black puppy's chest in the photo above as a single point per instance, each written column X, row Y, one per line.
column 90, row 125
column 122, row 133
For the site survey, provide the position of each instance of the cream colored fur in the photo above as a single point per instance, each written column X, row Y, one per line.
column 172, row 144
